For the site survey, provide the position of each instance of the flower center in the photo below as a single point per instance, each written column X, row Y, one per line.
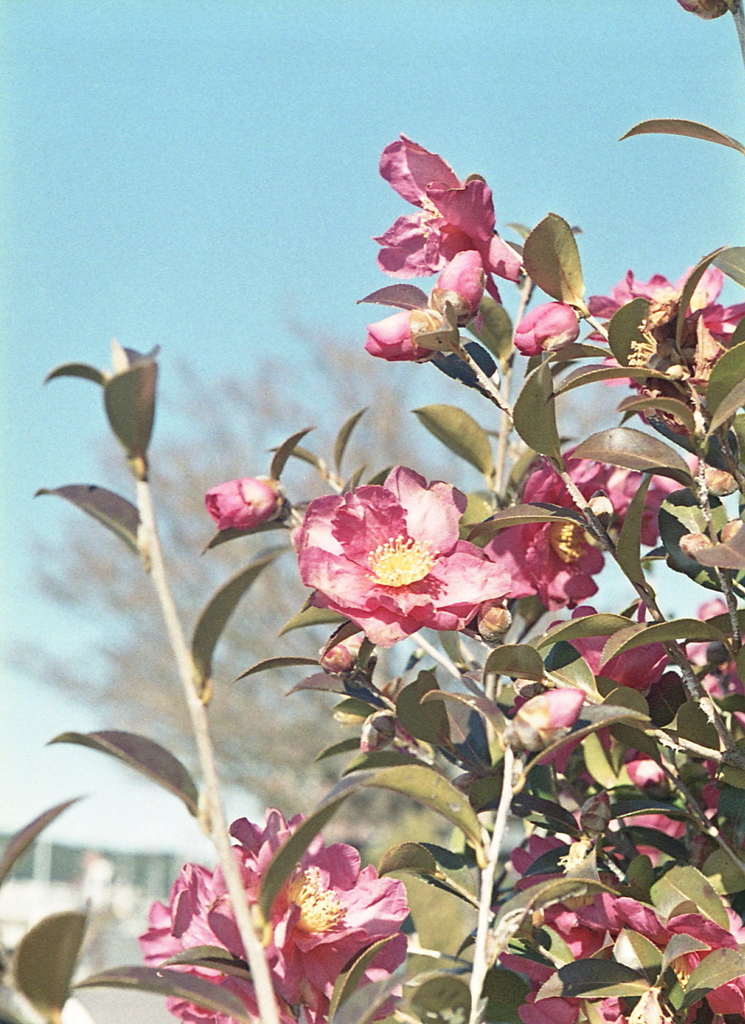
column 320, row 909
column 567, row 541
column 400, row 562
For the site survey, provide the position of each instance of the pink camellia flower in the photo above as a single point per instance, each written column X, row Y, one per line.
column 454, row 216
column 556, row 561
column 461, row 284
column 244, row 503
column 329, row 911
column 706, row 9
column 390, row 559
column 395, row 337
column 547, row 328
column 545, row 718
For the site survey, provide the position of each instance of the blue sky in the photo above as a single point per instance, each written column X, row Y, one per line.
column 197, row 174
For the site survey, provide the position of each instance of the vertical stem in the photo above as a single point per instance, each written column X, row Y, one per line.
column 481, row 951
column 153, row 555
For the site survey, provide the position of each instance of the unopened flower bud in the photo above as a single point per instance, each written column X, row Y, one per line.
column 545, row 718
column 730, row 530
column 342, row 657
column 392, row 339
column 692, row 543
column 378, row 731
column 706, row 9
column 493, row 620
column 244, row 503
column 594, row 815
column 719, row 481
column 461, row 284
column 527, row 688
column 600, row 504
column 547, row 328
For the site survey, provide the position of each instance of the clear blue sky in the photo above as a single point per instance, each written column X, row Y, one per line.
column 194, row 174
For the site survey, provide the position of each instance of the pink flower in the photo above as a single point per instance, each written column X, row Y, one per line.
column 706, row 9
column 329, row 911
column 395, row 337
column 545, row 718
column 244, row 503
column 555, row 560
column 638, row 668
column 547, row 328
column 461, row 284
column 390, row 559
column 454, row 216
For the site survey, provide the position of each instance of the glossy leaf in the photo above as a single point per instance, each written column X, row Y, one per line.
column 44, row 961
column 578, row 350
column 732, row 263
column 82, row 370
column 175, row 984
column 689, row 288
column 692, row 723
column 628, row 546
column 634, row 950
column 427, row 722
column 129, row 399
column 495, row 329
column 535, row 414
column 342, row 438
column 271, row 663
column 142, row 754
column 481, row 705
column 664, row 699
column 723, row 873
column 726, row 374
column 545, row 813
column 651, row 405
column 624, row 329
column 680, row 126
column 349, row 979
column 442, row 1000
column 594, row 979
column 679, row 945
column 727, row 408
column 632, row 449
column 285, row 450
column 20, row 841
column 342, row 747
column 366, row 1003
column 717, row 968
column 551, row 259
column 403, row 296
column 115, row 513
column 214, row 958
column 521, row 515
column 592, row 374
column 658, row 632
column 312, row 617
column 679, row 515
column 683, row 884
column 601, row 624
column 517, row 660
column 460, row 433
column 408, row 857
column 233, row 533
column 222, row 604
column 505, row 993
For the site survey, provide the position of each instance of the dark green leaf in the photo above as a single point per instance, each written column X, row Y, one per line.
column 460, row 433
column 731, row 808
column 577, row 351
column 353, row 973
column 732, row 263
column 679, row 945
column 664, row 699
column 592, row 374
column 505, row 993
column 628, row 545
column 624, row 329
column 270, row 663
column 44, row 961
column 717, row 968
column 692, row 723
column 684, row 884
column 679, row 126
column 602, row 624
column 485, row 707
column 76, row 370
column 221, row 606
column 286, row 449
column 176, row 984
column 427, row 722
column 129, row 398
column 658, row 632
column 689, row 288
column 215, row 958
column 365, row 1004
column 404, row 296
column 20, row 841
column 441, row 1000
column 651, row 405
column 679, row 515
column 115, row 513
column 728, row 406
column 408, row 857
column 495, row 330
column 521, row 661
column 312, row 617
column 342, row 747
column 535, row 414
column 634, row 950
column 725, row 875
column 233, row 533
column 594, row 979
column 551, row 258
column 728, row 371
column 545, row 813
column 142, row 754
column 342, row 438
column 520, row 515
column 632, row 449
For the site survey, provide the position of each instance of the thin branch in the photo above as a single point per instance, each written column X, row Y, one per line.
column 491, row 389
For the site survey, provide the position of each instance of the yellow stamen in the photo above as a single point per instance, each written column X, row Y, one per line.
column 567, row 541
column 399, row 562
column 320, row 909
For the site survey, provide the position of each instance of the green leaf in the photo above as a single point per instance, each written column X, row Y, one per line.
column 717, row 968
column 692, row 723
column 728, row 406
column 577, row 351
column 271, row 663
column 592, row 374
column 485, row 707
column 233, row 533
column 689, row 288
column 441, row 1000
column 115, row 513
column 594, row 979
column 520, row 229
column 679, row 126
column 658, row 632
column 505, row 993
column 20, row 841
column 286, row 449
column 176, row 984
column 624, row 329
column 728, row 371
column 342, row 747
column 403, row 296
column 312, row 617
column 521, row 661
column 632, row 449
column 365, row 1004
column 408, row 857
column 460, row 433
column 545, row 813
column 732, row 263
column 679, row 945
column 520, row 515
column 349, row 979
column 427, row 722
column 535, row 415
column 731, row 808
column 651, row 405
column 726, row 555
column 723, row 873
column 221, row 606
column 44, row 961
column 634, row 950
column 628, row 545
column 82, row 370
column 129, row 399
column 215, row 958
column 686, row 884
column 342, row 438
column 142, row 754
column 495, row 332
column 551, row 258
column 602, row 624
column 679, row 515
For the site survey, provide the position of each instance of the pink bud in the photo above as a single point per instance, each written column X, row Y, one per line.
column 547, row 328
column 392, row 339
column 706, row 9
column 244, row 503
column 341, row 657
column 693, row 543
column 545, row 718
column 461, row 284
column 377, row 732
column 719, row 481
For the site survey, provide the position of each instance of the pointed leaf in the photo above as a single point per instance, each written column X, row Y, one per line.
column 443, row 999
column 312, row 617
column 20, row 841
column 624, row 329
column 404, row 296
column 82, row 370
column 142, row 754
column 408, row 857
column 521, row 661
column 725, row 875
column 726, row 374
column 520, row 515
column 270, row 663
column 651, row 405
column 342, row 438
column 233, row 533
column 215, row 958
column 545, row 813
column 679, row 515
column 176, row 984
column 551, row 258
column 592, row 374
column 221, row 606
column 594, row 979
column 732, row 263
column 632, row 449
column 349, row 979
column 602, row 624
column 129, row 398
column 427, row 722
column 679, row 126
column 115, row 513
column 628, row 545
column 494, row 330
column 366, row 1004
column 636, row 951
column 683, row 884
column 44, row 961
column 460, row 433
column 577, row 351
column 342, row 747
column 285, row 450
column 729, row 405
column 679, row 945
column 659, row 632
column 689, row 288
column 535, row 413
column 719, row 967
